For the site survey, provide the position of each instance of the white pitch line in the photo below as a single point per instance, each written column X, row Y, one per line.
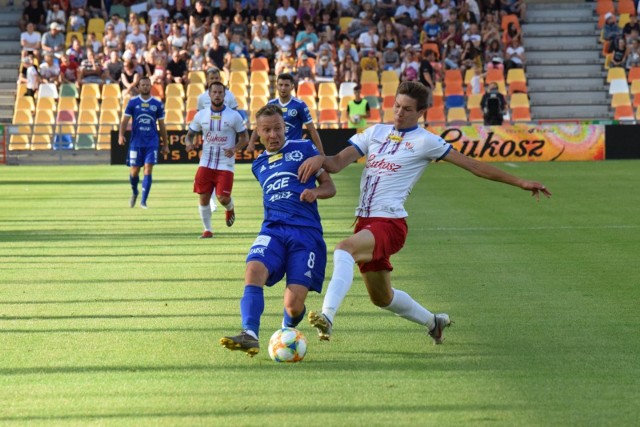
column 566, row 227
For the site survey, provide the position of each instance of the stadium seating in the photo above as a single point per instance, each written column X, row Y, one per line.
column 329, row 89
column 456, row 115
column 193, row 90
column 435, row 115
column 175, row 90
column 197, row 77
column 259, row 64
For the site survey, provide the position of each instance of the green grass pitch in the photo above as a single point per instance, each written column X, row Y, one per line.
column 112, row 316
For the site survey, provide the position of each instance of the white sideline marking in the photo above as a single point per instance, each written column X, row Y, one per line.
column 565, row 227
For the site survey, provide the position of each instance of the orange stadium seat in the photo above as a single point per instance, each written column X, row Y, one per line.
column 435, row 115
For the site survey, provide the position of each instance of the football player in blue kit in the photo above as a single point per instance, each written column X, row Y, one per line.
column 290, row 241
column 148, row 114
column 294, row 111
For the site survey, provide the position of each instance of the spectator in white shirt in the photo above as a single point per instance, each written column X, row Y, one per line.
column 156, row 12
column 286, row 10
column 30, row 39
column 137, row 38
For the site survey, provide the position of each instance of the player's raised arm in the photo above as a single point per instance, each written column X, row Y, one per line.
column 325, row 190
column 487, row 171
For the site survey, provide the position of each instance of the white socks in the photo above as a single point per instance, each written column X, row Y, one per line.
column 230, row 205
column 340, row 283
column 404, row 306
column 205, row 215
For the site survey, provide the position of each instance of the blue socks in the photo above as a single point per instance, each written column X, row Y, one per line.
column 292, row 322
column 134, row 183
column 146, row 188
column 251, row 308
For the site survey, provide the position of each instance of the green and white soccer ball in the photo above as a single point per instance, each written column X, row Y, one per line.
column 287, row 345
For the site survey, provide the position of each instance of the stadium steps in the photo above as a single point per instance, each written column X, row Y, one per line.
column 9, row 58
column 564, row 65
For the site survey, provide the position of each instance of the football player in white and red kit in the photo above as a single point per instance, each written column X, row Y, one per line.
column 223, row 134
column 397, row 155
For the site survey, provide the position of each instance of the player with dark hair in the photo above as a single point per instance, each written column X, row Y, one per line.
column 294, row 111
column 148, row 114
column 290, row 241
column 223, row 134
column 397, row 155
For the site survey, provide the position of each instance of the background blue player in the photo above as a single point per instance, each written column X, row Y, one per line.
column 147, row 113
column 295, row 112
column 290, row 242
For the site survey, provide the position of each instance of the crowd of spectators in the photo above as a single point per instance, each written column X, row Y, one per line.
column 316, row 40
column 623, row 44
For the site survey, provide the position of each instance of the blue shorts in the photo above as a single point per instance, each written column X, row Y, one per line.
column 299, row 252
column 139, row 156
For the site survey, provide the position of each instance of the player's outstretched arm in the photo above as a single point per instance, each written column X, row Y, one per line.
column 334, row 164
column 486, row 171
column 325, row 190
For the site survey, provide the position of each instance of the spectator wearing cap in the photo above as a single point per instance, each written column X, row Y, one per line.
column 325, row 69
column 157, row 11
column 304, row 71
column 30, row 40
column 53, row 40
column 30, row 77
column 34, row 13
column 610, row 30
column 358, row 110
column 390, row 60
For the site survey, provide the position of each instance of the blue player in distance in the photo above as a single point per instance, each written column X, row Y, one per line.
column 290, row 241
column 294, row 111
column 148, row 114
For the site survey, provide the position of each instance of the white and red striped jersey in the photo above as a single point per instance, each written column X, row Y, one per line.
column 220, row 130
column 395, row 160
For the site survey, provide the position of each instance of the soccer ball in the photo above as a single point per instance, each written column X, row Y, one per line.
column 287, row 345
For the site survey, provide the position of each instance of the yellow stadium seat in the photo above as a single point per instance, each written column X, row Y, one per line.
column 369, row 76
column 25, row 103
column 344, row 102
column 259, row 77
column 615, row 73
column 457, row 115
column 197, row 77
column 111, row 104
column 192, row 103
column 389, row 89
column 69, row 38
column 109, row 117
column 239, row 90
column 239, row 64
column 619, row 99
column 344, row 23
column 111, row 90
column 88, row 117
column 519, row 100
column 194, row 90
column 242, row 103
column 239, row 77
column 387, row 115
column 327, row 89
column 174, row 120
column 95, row 25
column 67, row 104
column 259, row 90
column 174, row 103
column 516, row 75
column 89, row 103
column 90, row 90
column 473, row 101
column 174, row 89
column 258, row 102
column 310, row 100
column 389, row 76
column 327, row 103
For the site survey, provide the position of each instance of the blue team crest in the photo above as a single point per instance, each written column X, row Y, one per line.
column 153, row 108
column 293, row 113
column 294, row 156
